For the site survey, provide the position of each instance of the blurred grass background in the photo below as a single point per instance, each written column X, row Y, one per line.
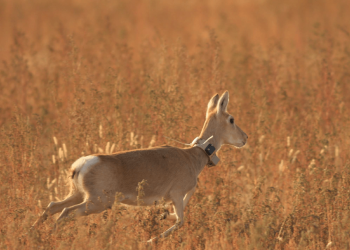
column 82, row 76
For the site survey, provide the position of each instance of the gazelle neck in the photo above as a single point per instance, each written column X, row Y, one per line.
column 202, row 153
column 215, row 141
column 207, row 136
column 199, row 159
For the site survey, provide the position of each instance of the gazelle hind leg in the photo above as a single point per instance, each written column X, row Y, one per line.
column 57, row 206
column 83, row 209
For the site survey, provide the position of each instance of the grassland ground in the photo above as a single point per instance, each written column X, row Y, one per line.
column 82, row 77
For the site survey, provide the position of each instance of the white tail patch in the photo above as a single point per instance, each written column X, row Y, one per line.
column 81, row 167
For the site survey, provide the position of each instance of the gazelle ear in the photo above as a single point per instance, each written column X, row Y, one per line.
column 222, row 104
column 212, row 104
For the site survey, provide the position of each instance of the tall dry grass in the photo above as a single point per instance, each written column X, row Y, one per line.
column 82, row 77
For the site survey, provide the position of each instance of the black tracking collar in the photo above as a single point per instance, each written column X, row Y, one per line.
column 209, row 150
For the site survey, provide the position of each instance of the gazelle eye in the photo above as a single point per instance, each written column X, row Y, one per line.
column 231, row 120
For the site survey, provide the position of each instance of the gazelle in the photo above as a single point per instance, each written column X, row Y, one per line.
column 171, row 173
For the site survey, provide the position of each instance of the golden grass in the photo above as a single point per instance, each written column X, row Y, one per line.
column 81, row 77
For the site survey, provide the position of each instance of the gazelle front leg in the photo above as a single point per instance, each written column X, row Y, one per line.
column 179, row 213
column 188, row 196
column 172, row 216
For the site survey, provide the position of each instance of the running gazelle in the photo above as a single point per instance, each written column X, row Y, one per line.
column 171, row 173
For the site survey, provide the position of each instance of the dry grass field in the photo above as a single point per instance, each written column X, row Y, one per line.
column 80, row 77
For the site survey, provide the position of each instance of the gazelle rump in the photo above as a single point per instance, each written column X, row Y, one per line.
column 170, row 172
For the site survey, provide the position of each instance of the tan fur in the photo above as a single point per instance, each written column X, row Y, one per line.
column 171, row 173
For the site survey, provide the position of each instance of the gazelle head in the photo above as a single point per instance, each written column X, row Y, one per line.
column 221, row 124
